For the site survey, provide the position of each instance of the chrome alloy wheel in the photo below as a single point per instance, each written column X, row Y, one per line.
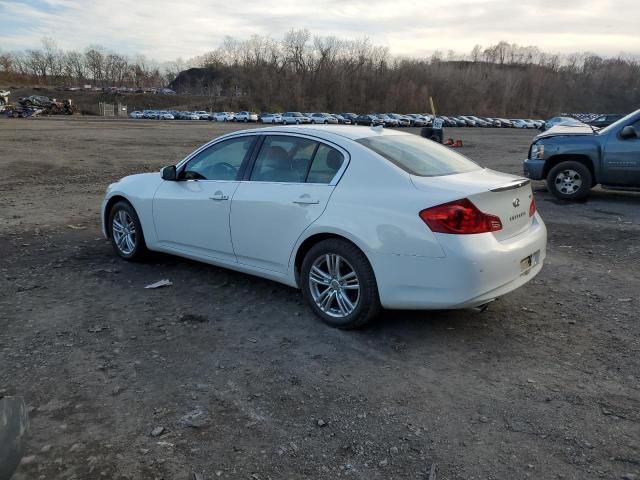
column 124, row 232
column 334, row 285
column 568, row 182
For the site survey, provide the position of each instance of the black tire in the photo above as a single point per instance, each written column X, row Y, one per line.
column 246, row 120
column 574, row 170
column 140, row 250
column 368, row 303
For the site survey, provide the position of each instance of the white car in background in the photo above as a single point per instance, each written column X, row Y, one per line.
column 519, row 123
column 418, row 120
column 246, row 117
column 358, row 218
column 324, row 118
column 164, row 116
column 202, row 115
column 271, row 118
column 294, row 118
column 190, row 116
column 223, row 116
column 135, row 114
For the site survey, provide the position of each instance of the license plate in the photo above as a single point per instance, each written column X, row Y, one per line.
column 528, row 262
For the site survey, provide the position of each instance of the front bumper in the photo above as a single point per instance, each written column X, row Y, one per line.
column 533, row 169
column 475, row 270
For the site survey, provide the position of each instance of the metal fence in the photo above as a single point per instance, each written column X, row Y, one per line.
column 112, row 110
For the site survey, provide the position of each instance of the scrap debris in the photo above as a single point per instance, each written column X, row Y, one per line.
column 160, row 283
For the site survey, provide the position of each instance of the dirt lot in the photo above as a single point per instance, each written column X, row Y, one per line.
column 247, row 384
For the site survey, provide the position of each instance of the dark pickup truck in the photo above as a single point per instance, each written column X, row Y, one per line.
column 573, row 159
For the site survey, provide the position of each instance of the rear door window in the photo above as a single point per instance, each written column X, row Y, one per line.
column 296, row 160
column 283, row 159
column 326, row 164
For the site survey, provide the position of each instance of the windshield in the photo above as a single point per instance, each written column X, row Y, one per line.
column 419, row 156
column 617, row 123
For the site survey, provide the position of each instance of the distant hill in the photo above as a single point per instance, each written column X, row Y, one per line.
column 197, row 80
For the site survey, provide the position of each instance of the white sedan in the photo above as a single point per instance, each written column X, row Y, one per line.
column 358, row 218
column 270, row 118
column 246, row 117
column 520, row 123
column 223, row 116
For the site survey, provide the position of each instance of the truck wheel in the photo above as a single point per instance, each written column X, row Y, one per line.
column 569, row 180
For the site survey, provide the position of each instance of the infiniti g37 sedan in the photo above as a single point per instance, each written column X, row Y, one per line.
column 357, row 218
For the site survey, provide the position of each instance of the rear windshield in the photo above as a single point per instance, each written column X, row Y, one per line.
column 419, row 156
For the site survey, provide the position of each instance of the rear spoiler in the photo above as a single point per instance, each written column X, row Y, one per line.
column 511, row 186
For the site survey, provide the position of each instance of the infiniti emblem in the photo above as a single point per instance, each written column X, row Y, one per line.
column 516, row 202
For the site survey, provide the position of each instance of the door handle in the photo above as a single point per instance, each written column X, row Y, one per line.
column 218, row 196
column 307, row 202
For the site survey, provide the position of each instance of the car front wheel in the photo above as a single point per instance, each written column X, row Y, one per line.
column 339, row 284
column 569, row 180
column 126, row 232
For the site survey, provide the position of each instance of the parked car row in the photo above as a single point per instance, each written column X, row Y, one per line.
column 369, row 119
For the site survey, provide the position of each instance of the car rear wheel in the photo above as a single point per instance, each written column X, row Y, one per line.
column 569, row 180
column 126, row 232
column 339, row 284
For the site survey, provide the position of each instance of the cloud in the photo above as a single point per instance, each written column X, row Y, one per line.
column 167, row 29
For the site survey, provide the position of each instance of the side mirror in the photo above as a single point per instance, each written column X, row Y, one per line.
column 169, row 173
column 628, row 132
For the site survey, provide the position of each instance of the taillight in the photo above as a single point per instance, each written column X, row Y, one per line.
column 459, row 217
column 532, row 207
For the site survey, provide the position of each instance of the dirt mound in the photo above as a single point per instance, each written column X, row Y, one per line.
column 197, row 80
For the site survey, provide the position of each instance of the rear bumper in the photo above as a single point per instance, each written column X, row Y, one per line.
column 475, row 270
column 533, row 169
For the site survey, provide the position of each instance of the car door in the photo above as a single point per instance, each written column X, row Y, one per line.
column 286, row 190
column 622, row 159
column 191, row 214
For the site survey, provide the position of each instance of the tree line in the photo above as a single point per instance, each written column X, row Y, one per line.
column 314, row 73
column 95, row 65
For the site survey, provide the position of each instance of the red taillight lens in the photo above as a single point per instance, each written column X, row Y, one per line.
column 460, row 217
column 532, row 207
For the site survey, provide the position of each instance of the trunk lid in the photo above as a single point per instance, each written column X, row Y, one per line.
column 506, row 196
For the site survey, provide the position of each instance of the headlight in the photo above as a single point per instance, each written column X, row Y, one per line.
column 537, row 152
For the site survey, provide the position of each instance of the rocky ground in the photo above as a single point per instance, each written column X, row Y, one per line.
column 223, row 375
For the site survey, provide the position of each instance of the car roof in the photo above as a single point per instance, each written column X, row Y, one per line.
column 328, row 131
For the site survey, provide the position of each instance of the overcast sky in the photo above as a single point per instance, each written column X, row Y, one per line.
column 168, row 29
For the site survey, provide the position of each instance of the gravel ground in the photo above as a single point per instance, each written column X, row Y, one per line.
column 229, row 376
